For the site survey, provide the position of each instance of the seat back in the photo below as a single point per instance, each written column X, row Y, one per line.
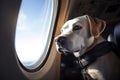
column 116, row 35
column 115, row 38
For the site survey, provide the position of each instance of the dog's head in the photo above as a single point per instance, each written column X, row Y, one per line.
column 78, row 34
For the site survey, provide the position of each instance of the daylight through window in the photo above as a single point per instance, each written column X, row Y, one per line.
column 34, row 31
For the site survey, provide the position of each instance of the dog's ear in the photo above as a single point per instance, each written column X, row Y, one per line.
column 97, row 26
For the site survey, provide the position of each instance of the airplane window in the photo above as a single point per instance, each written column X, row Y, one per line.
column 34, row 31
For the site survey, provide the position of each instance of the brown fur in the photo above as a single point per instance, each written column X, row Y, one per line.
column 106, row 67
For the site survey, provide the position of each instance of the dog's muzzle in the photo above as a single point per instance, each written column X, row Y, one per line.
column 61, row 40
column 61, row 45
column 64, row 51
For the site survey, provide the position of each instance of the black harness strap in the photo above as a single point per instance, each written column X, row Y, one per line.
column 91, row 56
column 98, row 51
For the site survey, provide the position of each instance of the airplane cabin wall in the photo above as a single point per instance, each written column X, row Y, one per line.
column 9, row 69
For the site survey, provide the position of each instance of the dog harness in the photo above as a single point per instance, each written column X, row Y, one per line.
column 91, row 56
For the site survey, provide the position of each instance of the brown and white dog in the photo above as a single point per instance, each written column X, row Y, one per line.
column 81, row 34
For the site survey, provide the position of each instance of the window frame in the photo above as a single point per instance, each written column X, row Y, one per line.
column 51, row 66
column 48, row 45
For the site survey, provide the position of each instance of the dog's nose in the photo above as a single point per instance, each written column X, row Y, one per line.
column 61, row 39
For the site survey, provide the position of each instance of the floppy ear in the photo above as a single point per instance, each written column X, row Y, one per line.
column 97, row 26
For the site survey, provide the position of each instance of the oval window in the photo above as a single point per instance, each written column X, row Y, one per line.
column 34, row 31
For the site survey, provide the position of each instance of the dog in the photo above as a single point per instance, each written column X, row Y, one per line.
column 81, row 34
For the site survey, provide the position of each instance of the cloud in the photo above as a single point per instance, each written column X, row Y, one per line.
column 30, row 49
column 21, row 24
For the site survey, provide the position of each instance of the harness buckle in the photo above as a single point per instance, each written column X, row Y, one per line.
column 83, row 63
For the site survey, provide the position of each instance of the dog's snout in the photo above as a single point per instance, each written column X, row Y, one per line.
column 60, row 39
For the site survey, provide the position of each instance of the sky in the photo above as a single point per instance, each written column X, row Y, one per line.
column 32, row 29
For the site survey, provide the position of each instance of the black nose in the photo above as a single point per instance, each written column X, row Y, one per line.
column 61, row 40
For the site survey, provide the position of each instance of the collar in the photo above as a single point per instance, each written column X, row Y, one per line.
column 97, row 51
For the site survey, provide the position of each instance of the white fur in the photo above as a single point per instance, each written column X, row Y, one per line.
column 79, row 41
column 95, row 74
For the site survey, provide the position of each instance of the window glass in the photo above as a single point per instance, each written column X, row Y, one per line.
column 34, row 31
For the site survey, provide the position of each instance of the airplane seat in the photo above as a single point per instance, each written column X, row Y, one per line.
column 114, row 37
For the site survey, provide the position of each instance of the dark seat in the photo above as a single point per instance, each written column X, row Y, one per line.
column 115, row 38
column 116, row 35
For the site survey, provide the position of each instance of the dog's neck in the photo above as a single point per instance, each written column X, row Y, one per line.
column 95, row 42
column 90, row 44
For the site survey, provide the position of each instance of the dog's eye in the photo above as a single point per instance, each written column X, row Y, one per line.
column 77, row 27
